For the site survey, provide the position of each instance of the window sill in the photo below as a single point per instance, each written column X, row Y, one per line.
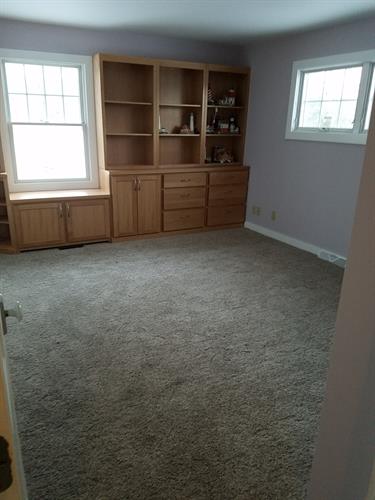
column 58, row 195
column 336, row 137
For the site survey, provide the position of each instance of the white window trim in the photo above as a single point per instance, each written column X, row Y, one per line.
column 355, row 136
column 87, row 98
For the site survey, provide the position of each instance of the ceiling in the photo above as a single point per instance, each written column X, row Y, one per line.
column 212, row 20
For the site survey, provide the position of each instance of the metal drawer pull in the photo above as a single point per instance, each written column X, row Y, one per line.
column 135, row 183
column 139, row 184
column 185, row 180
column 185, row 196
column 68, row 209
column 60, row 210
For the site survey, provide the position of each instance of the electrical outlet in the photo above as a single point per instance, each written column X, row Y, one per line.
column 255, row 210
column 273, row 215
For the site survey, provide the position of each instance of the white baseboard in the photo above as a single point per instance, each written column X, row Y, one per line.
column 322, row 253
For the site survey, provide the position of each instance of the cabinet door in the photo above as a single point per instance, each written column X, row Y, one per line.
column 124, row 200
column 149, row 204
column 87, row 220
column 40, row 224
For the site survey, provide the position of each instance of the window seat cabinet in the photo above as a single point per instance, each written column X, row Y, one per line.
column 54, row 223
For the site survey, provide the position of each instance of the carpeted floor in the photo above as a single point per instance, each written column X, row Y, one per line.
column 187, row 367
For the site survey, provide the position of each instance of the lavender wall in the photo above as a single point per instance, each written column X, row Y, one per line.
column 312, row 185
column 44, row 37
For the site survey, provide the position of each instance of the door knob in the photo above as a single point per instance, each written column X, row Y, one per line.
column 16, row 312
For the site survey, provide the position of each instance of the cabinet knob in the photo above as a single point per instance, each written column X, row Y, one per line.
column 68, row 209
column 60, row 210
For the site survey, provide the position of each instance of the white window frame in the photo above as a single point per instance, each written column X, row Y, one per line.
column 355, row 136
column 88, row 113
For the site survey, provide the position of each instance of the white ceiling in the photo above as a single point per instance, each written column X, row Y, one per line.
column 215, row 20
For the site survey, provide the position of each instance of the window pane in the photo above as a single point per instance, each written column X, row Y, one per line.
column 314, row 83
column 370, row 101
column 311, row 114
column 329, row 98
column 18, row 108
column 72, row 110
column 333, row 84
column 351, row 83
column 37, row 108
column 347, row 114
column 70, row 78
column 49, row 152
column 15, row 78
column 329, row 114
column 55, row 109
column 34, row 79
column 52, row 80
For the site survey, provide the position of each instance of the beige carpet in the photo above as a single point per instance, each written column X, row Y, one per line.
column 187, row 367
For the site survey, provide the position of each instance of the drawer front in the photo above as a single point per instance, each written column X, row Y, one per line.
column 227, row 195
column 184, row 198
column 183, row 219
column 217, row 178
column 184, row 180
column 218, row 216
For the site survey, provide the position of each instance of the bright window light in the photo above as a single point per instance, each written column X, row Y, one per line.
column 329, row 98
column 370, row 101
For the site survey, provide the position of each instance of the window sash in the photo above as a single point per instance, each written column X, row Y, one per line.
column 300, row 102
column 17, row 180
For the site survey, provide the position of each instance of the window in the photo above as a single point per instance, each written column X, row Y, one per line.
column 49, row 125
column 331, row 98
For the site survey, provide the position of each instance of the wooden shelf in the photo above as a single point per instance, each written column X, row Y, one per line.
column 180, row 105
column 221, row 106
column 4, row 221
column 126, row 103
column 216, row 164
column 6, row 246
column 179, row 135
column 3, row 204
column 128, row 134
column 223, row 135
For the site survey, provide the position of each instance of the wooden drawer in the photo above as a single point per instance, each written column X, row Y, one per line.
column 217, row 178
column 184, row 180
column 184, row 198
column 183, row 219
column 218, row 216
column 227, row 195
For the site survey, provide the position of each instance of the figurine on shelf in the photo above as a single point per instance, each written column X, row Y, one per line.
column 185, row 129
column 232, row 125
column 223, row 127
column 163, row 131
column 221, row 154
column 229, row 98
column 191, row 120
column 210, row 95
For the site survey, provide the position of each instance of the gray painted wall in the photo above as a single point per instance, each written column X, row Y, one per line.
column 45, row 37
column 312, row 185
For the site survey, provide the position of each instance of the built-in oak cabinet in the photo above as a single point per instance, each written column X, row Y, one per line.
column 58, row 223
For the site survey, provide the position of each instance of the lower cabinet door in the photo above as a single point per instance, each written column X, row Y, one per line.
column 87, row 220
column 40, row 224
column 124, row 205
column 218, row 216
column 149, row 203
